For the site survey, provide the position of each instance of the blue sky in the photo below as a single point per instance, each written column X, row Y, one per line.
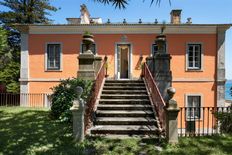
column 201, row 12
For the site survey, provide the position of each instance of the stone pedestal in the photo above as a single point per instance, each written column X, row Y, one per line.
column 97, row 63
column 78, row 110
column 78, row 120
column 162, row 73
column 89, row 65
column 172, row 111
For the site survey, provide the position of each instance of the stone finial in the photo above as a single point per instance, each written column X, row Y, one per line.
column 124, row 21
column 156, row 21
column 171, row 92
column 79, row 91
column 189, row 20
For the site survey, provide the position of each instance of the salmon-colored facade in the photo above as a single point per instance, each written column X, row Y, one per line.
column 50, row 53
column 185, row 81
column 203, row 81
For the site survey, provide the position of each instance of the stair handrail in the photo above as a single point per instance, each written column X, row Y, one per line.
column 155, row 96
column 96, row 88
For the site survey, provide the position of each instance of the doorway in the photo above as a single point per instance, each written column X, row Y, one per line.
column 123, row 61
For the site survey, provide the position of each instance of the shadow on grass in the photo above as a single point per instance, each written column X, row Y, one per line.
column 216, row 144
column 28, row 131
column 33, row 132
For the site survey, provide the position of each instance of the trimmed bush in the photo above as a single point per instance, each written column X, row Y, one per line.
column 64, row 95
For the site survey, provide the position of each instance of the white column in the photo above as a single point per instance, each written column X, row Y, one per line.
column 221, row 31
column 24, row 69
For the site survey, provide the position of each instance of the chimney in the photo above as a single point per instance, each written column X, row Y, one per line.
column 176, row 16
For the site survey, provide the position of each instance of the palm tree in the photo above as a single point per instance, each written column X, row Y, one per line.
column 121, row 4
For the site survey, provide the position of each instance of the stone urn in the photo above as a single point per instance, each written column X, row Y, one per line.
column 88, row 41
column 161, row 42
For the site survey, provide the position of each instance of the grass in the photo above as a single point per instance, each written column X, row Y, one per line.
column 31, row 131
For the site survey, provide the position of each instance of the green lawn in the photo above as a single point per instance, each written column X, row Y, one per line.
column 31, row 131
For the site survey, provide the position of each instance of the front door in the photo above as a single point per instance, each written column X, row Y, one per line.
column 123, row 61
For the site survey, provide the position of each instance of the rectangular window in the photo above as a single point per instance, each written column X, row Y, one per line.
column 194, row 56
column 93, row 48
column 53, row 56
column 193, row 107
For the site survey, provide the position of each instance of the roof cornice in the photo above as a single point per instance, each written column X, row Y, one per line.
column 124, row 28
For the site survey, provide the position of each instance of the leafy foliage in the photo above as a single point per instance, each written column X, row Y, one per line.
column 225, row 121
column 121, row 4
column 26, row 11
column 22, row 12
column 9, row 63
column 64, row 95
column 4, row 48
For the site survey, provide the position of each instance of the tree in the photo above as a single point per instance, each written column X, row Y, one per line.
column 21, row 12
column 26, row 11
column 9, row 63
column 121, row 4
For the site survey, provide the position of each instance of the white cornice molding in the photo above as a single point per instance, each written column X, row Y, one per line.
column 193, row 80
column 41, row 79
column 122, row 29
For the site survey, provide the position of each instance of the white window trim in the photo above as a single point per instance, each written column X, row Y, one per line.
column 186, row 105
column 96, row 53
column 46, row 57
column 116, row 58
column 202, row 58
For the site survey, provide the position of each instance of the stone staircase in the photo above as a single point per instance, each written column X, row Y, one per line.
column 124, row 109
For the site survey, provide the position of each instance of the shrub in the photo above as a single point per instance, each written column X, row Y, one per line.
column 225, row 121
column 64, row 95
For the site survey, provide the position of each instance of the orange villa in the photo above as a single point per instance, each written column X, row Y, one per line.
column 50, row 53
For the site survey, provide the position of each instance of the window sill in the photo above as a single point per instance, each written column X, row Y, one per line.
column 194, row 70
column 53, row 71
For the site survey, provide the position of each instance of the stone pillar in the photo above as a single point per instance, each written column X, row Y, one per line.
column 86, row 66
column 221, row 66
column 78, row 109
column 97, row 63
column 89, row 64
column 24, row 69
column 161, row 72
column 172, row 111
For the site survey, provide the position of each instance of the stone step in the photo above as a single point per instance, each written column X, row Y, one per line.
column 124, row 92
column 125, row 121
column 123, row 107
column 124, row 81
column 144, row 137
column 125, row 130
column 124, row 101
column 124, row 84
column 124, row 96
column 124, row 88
column 124, row 113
